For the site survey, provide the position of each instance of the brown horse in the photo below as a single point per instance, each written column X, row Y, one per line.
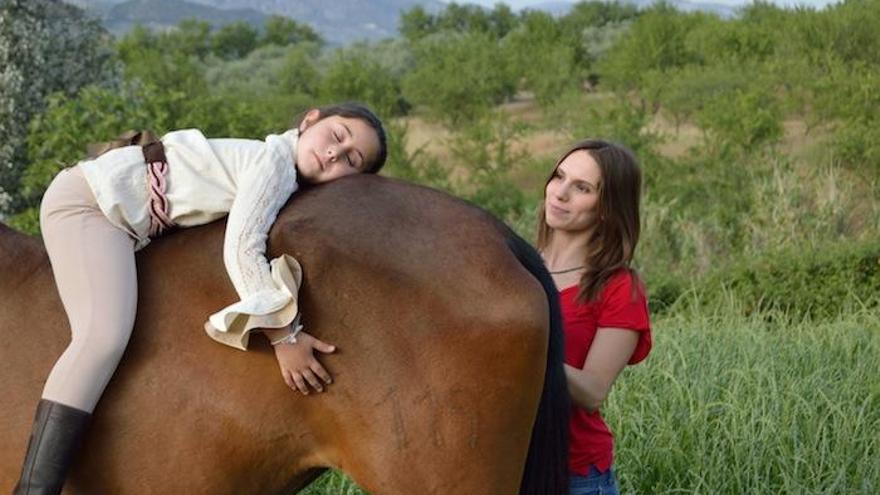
column 446, row 324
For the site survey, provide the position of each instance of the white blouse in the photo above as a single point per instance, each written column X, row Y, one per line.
column 207, row 178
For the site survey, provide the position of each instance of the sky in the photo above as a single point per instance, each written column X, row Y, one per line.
column 523, row 3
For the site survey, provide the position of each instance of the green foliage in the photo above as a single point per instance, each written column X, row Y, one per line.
column 234, row 40
column 354, row 74
column 502, row 20
column 191, row 37
column 611, row 119
column 266, row 71
column 333, row 483
column 282, row 31
column 488, row 150
column 595, row 42
column 817, row 283
column 685, row 92
column 417, row 23
column 555, row 72
column 698, row 210
column 270, row 84
column 656, row 41
column 174, row 78
column 589, row 27
column 458, row 77
column 45, row 47
column 416, row 166
column 598, row 14
column 299, row 74
column 198, row 40
column 850, row 96
column 852, row 31
column 752, row 38
column 743, row 118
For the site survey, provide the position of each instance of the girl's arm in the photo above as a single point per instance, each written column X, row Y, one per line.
column 609, row 353
column 261, row 192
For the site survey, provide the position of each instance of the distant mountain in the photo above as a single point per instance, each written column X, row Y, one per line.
column 120, row 17
column 338, row 21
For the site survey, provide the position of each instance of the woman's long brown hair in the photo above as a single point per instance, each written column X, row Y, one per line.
column 613, row 241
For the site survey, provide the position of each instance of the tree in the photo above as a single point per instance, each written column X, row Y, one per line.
column 190, row 36
column 502, row 20
column 234, row 40
column 487, row 148
column 353, row 74
column 742, row 119
column 299, row 74
column 45, row 47
column 654, row 43
column 416, row 23
column 598, row 14
column 463, row 18
column 458, row 77
column 684, row 92
column 587, row 22
column 280, row 30
column 175, row 77
column 554, row 72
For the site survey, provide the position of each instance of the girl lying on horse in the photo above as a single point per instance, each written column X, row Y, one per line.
column 97, row 214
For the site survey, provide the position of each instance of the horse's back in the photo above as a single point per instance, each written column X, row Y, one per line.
column 440, row 333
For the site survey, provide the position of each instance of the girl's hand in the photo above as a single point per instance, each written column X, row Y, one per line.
column 299, row 366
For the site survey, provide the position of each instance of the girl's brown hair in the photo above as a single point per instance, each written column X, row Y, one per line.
column 613, row 240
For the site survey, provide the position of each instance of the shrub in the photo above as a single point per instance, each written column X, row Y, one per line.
column 823, row 282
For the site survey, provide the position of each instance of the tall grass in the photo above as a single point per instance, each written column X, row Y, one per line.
column 728, row 404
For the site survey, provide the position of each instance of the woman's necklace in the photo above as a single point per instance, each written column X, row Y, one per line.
column 567, row 270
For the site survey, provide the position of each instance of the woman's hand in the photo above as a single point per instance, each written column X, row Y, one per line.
column 299, row 366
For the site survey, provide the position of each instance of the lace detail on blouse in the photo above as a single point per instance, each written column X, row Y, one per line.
column 261, row 192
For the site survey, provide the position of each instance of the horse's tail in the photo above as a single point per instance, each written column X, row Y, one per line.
column 546, row 470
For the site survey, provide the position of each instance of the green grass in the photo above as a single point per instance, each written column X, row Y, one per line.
column 729, row 405
column 333, row 483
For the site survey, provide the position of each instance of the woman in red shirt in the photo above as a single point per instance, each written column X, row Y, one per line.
column 588, row 228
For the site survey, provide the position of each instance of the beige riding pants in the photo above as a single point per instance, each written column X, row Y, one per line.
column 94, row 267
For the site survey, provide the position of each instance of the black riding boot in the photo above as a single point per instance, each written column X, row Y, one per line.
column 56, row 435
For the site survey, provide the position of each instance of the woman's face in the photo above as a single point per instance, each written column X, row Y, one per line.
column 571, row 198
column 334, row 147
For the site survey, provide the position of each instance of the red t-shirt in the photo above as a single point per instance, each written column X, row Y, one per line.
column 620, row 305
